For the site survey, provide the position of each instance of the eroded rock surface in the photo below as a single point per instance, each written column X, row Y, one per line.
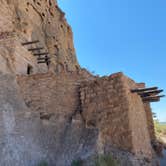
column 30, row 20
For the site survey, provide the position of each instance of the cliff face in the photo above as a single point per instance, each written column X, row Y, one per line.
column 31, row 20
column 52, row 110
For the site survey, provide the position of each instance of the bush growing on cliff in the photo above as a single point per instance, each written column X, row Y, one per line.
column 43, row 163
column 78, row 162
column 105, row 160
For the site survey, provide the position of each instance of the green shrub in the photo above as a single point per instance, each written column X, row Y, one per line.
column 78, row 162
column 105, row 160
column 43, row 163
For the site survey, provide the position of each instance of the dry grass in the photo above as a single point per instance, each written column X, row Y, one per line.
column 160, row 129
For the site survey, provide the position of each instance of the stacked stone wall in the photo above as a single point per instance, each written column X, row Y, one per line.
column 150, row 121
column 138, row 120
column 149, row 116
column 40, row 121
column 103, row 107
column 109, row 105
column 50, row 93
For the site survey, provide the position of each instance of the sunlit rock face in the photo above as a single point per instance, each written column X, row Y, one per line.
column 29, row 20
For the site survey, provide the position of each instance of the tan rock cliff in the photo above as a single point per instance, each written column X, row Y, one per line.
column 28, row 20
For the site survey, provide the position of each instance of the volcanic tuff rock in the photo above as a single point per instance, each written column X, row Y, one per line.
column 54, row 111
column 43, row 20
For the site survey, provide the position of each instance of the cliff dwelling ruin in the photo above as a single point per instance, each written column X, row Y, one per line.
column 53, row 110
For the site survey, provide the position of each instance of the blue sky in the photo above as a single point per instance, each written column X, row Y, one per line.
column 121, row 35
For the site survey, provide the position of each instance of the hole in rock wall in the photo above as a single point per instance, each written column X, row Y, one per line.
column 62, row 26
column 50, row 3
column 43, row 14
column 24, row 31
column 29, row 69
column 39, row 3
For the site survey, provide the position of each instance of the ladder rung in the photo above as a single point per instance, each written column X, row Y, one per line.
column 34, row 49
column 43, row 59
column 30, row 42
column 38, row 54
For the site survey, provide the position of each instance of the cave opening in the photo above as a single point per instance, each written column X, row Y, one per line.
column 29, row 69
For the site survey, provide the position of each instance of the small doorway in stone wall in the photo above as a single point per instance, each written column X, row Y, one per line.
column 29, row 69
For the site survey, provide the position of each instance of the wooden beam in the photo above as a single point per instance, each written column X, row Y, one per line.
column 43, row 53
column 152, row 100
column 30, row 42
column 35, row 49
column 152, row 97
column 41, row 62
column 143, row 89
column 146, row 93
column 44, row 58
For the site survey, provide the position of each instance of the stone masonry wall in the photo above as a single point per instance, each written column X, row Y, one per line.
column 150, row 121
column 50, row 93
column 138, row 120
column 109, row 105
column 40, row 121
column 53, row 101
column 45, row 119
column 149, row 116
column 102, row 103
